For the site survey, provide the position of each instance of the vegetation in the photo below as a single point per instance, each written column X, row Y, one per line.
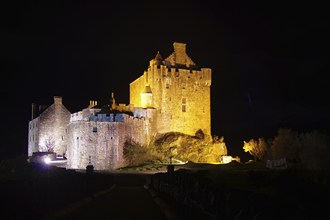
column 174, row 146
column 309, row 150
column 136, row 154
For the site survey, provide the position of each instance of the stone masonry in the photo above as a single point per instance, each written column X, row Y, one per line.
column 172, row 95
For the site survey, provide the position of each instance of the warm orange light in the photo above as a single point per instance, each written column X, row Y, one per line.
column 146, row 100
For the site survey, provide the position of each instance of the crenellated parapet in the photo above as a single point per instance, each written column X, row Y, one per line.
column 172, row 95
column 180, row 92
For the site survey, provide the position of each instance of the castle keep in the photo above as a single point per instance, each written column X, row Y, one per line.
column 172, row 95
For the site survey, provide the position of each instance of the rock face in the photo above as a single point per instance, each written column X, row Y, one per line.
column 191, row 148
column 172, row 95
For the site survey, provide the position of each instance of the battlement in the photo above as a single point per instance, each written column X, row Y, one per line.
column 172, row 95
column 109, row 118
column 178, row 89
column 177, row 76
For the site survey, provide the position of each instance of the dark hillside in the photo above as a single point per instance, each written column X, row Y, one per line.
column 31, row 190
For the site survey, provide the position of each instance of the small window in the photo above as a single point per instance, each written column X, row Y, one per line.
column 183, row 108
column 94, row 129
column 184, row 101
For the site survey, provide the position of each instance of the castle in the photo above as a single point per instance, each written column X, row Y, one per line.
column 172, row 95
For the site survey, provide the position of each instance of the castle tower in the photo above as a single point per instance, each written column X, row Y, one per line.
column 180, row 92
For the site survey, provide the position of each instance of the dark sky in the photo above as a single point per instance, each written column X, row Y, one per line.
column 269, row 59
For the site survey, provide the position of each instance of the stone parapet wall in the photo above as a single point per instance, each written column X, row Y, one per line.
column 102, row 142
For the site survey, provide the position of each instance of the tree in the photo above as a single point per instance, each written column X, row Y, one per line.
column 285, row 145
column 315, row 151
column 50, row 144
column 257, row 148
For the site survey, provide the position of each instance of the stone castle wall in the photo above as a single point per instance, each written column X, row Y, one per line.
column 50, row 125
column 33, row 137
column 172, row 95
column 181, row 97
column 102, row 142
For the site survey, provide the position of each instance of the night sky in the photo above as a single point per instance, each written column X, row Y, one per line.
column 269, row 59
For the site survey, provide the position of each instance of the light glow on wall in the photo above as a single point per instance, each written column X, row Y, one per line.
column 146, row 97
column 47, row 160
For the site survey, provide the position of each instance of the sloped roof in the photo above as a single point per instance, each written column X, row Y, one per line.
column 158, row 57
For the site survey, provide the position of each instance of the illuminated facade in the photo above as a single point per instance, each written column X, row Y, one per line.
column 172, row 95
column 178, row 89
column 48, row 127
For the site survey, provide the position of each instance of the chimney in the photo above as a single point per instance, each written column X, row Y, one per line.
column 180, row 52
column 57, row 100
column 34, row 111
